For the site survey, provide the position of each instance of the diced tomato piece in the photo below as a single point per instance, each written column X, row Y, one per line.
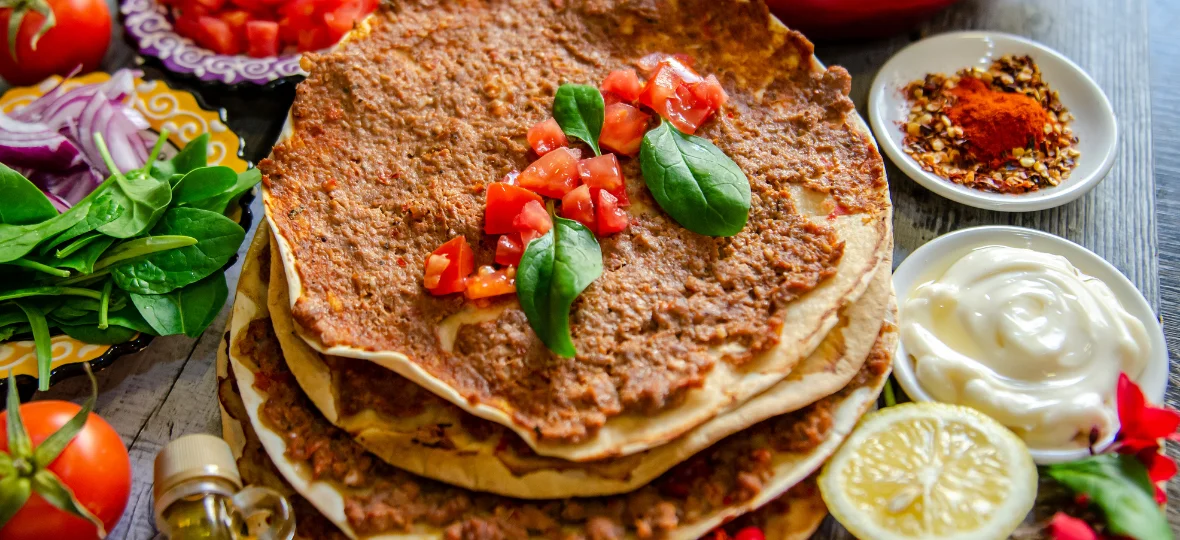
column 532, row 219
column 216, row 35
column 236, row 19
column 210, row 6
column 553, row 174
column 623, row 128
column 262, row 38
column 750, row 533
column 547, row 136
column 601, row 172
column 341, row 20
column 609, row 217
column 448, row 267
column 623, row 83
column 649, row 63
column 710, row 92
column 685, row 111
column 489, row 282
column 509, row 249
column 576, row 205
column 504, row 203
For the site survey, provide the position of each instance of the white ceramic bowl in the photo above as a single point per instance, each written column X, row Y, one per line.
column 930, row 260
column 1094, row 122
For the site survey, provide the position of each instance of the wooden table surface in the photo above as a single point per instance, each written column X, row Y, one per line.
column 1130, row 219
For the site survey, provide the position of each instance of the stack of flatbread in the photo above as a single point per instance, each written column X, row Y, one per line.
column 714, row 376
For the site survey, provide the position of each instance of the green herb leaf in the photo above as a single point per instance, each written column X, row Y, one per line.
column 222, row 202
column 16, row 241
column 1119, row 485
column 188, row 310
column 42, row 342
column 695, row 182
column 103, row 210
column 218, row 239
column 19, row 444
column 579, row 110
column 141, row 248
column 143, row 199
column 21, row 201
column 52, row 446
column 193, row 156
column 14, row 492
column 203, row 183
column 84, row 257
column 554, row 270
column 50, row 487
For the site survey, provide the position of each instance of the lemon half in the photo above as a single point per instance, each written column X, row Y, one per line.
column 930, row 471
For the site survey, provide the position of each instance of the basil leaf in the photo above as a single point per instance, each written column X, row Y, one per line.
column 203, row 183
column 193, row 156
column 21, row 201
column 554, row 270
column 188, row 310
column 143, row 198
column 1119, row 485
column 579, row 110
column 218, row 239
column 695, row 182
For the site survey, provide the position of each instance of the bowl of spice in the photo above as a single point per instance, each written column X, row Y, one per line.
column 993, row 121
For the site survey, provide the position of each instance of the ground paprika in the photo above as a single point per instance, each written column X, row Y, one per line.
column 994, row 122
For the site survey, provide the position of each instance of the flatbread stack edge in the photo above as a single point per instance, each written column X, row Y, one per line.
column 384, row 412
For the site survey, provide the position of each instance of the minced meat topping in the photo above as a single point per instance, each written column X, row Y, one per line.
column 397, row 133
column 381, row 498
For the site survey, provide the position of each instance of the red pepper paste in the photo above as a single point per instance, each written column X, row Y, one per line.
column 994, row 122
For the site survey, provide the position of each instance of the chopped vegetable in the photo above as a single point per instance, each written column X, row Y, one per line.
column 603, row 172
column 553, row 175
column 52, row 37
column 509, row 248
column 576, row 205
column 489, row 282
column 448, row 267
column 546, row 136
column 622, row 85
column 608, row 216
column 504, row 203
column 623, row 128
column 269, row 27
column 534, row 218
column 681, row 95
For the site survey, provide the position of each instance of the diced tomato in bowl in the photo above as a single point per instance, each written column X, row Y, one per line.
column 264, row 28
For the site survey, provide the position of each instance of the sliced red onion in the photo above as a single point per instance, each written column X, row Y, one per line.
column 36, row 145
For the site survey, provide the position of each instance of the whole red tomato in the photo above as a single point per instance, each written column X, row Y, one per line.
column 95, row 466
column 79, row 38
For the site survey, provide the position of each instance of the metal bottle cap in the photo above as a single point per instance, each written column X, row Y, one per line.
column 194, row 456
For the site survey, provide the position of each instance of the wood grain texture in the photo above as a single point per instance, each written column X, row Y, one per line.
column 168, row 390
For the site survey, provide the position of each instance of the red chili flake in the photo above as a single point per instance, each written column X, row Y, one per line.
column 401, row 262
column 329, row 184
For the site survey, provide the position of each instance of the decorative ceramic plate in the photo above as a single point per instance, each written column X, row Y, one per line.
column 185, row 120
column 149, row 24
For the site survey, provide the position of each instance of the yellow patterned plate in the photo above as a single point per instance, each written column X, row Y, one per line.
column 185, row 120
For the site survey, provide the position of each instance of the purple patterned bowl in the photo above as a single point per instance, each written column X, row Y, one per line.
column 148, row 23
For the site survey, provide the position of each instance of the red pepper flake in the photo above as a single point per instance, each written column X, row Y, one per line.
column 401, row 262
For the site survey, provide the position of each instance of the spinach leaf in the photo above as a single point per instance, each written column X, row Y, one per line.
column 218, row 239
column 16, row 241
column 203, row 183
column 1119, row 485
column 221, row 203
column 554, row 270
column 193, row 156
column 10, row 315
column 88, row 333
column 22, row 202
column 695, row 182
column 187, row 310
column 82, row 258
column 48, row 291
column 127, row 317
column 143, row 199
column 42, row 342
column 103, row 210
column 140, row 248
column 39, row 267
column 579, row 110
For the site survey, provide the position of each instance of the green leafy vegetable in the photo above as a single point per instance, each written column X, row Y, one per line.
column 34, row 265
column 103, row 210
column 42, row 342
column 695, row 182
column 16, row 241
column 24, row 203
column 142, row 198
column 188, row 310
column 218, row 239
column 1119, row 485
column 579, row 110
column 83, row 258
column 193, row 156
column 111, row 335
column 202, row 184
column 554, row 270
column 222, row 202
column 141, row 248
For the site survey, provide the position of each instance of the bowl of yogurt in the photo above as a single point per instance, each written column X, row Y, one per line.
column 1030, row 329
